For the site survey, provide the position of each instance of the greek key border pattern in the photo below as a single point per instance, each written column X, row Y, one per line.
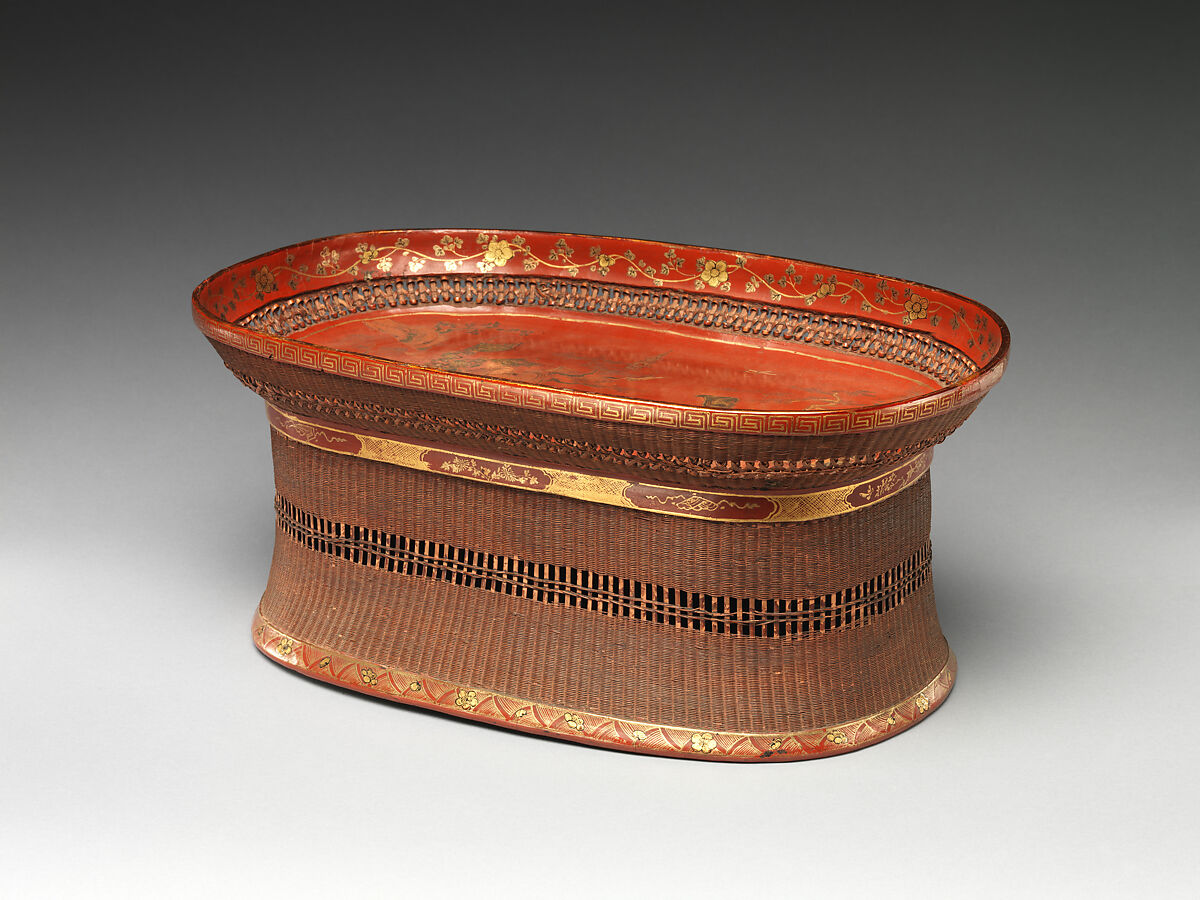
column 605, row 409
column 517, row 438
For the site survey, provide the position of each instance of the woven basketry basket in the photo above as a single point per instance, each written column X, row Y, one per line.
column 647, row 496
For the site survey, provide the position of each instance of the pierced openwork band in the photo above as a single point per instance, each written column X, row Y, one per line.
column 762, row 506
column 604, row 593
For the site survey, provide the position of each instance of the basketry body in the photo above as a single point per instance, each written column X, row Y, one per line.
column 725, row 556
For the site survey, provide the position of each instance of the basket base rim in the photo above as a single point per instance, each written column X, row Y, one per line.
column 608, row 732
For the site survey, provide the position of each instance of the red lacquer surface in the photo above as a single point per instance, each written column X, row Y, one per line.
column 612, row 368
column 615, row 357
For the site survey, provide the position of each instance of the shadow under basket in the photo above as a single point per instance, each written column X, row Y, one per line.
column 646, row 496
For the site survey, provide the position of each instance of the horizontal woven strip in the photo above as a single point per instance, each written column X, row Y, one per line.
column 667, row 500
column 607, row 594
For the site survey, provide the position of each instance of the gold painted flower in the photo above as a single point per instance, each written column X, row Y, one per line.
column 385, row 264
column 604, row 261
column 922, row 703
column 574, row 722
column 416, row 265
column 366, row 253
column 891, row 719
column 638, row 736
column 498, row 252
column 324, row 663
column 284, row 647
column 466, row 699
column 414, row 686
column 704, row 742
column 368, row 677
column 715, row 272
column 775, row 745
column 521, row 713
column 264, row 280
column 329, row 261
column 915, row 308
column 836, row 737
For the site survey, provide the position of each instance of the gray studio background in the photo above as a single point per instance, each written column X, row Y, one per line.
column 1042, row 162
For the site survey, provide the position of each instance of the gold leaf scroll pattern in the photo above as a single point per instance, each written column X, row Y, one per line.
column 675, row 268
column 314, row 435
column 395, row 684
column 502, row 473
column 614, row 491
column 697, row 503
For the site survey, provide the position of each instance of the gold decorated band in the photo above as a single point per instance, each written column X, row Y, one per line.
column 761, row 506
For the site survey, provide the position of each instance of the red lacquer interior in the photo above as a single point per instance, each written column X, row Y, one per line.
column 611, row 356
column 615, row 356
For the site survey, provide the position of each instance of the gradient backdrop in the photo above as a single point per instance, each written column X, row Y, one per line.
column 1042, row 162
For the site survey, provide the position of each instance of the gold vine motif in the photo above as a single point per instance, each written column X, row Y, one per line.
column 500, row 472
column 696, row 503
column 702, row 273
column 309, row 432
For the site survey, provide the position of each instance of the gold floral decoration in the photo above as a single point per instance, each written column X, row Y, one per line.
column 795, row 283
column 700, row 742
column 329, row 261
column 915, row 308
column 715, row 272
column 603, row 261
column 498, row 253
column 264, row 280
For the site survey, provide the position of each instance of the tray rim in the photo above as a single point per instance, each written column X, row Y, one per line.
column 364, row 367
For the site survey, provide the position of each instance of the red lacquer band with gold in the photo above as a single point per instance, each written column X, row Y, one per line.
column 225, row 307
column 416, row 689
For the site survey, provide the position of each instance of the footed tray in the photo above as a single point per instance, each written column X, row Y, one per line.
column 641, row 495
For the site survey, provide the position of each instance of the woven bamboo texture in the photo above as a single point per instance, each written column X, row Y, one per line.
column 326, row 589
